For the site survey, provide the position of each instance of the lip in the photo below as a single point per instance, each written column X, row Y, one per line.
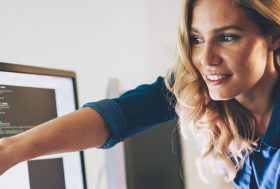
column 222, row 78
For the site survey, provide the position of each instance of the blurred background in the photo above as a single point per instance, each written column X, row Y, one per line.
column 131, row 42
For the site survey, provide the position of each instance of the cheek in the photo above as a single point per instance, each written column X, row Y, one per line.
column 197, row 65
column 198, row 68
column 195, row 62
column 252, row 62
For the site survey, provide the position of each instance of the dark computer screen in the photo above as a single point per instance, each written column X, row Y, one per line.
column 30, row 96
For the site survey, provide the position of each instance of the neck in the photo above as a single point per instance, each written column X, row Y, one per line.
column 259, row 99
column 262, row 123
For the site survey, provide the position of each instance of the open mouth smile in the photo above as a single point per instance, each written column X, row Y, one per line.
column 216, row 79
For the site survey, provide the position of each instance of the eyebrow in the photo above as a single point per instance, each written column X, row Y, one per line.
column 217, row 30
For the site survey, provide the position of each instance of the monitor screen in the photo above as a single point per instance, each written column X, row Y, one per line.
column 30, row 96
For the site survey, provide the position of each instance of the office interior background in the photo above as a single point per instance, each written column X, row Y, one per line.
column 131, row 40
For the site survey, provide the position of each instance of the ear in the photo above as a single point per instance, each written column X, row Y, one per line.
column 275, row 42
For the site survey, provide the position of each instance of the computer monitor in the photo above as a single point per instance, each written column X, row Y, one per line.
column 30, row 96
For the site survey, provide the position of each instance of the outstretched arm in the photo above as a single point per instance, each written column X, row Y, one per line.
column 76, row 131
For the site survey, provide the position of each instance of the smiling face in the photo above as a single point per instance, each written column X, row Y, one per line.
column 228, row 49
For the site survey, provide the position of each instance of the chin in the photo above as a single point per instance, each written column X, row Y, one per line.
column 220, row 97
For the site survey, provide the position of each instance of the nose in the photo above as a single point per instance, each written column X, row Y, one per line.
column 210, row 55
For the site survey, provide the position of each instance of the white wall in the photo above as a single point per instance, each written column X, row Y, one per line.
column 132, row 40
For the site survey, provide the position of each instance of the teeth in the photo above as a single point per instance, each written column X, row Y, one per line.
column 215, row 77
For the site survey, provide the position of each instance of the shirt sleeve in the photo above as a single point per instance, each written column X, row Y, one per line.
column 135, row 110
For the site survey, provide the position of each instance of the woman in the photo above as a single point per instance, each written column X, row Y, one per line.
column 225, row 83
column 227, row 79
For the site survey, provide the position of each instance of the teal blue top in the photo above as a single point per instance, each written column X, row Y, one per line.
column 147, row 105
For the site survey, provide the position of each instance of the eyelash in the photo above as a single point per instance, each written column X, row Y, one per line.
column 195, row 40
column 224, row 38
column 228, row 38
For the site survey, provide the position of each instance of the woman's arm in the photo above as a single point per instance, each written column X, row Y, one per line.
column 76, row 131
column 107, row 121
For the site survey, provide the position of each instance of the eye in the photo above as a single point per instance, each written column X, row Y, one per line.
column 195, row 40
column 228, row 38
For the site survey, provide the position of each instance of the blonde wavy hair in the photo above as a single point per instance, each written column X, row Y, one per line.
column 225, row 129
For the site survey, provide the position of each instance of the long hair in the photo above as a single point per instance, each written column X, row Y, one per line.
column 224, row 129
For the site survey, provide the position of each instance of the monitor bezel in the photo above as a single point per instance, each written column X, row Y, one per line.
column 17, row 68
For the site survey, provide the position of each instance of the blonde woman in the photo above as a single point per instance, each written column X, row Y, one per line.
column 228, row 90
column 225, row 86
